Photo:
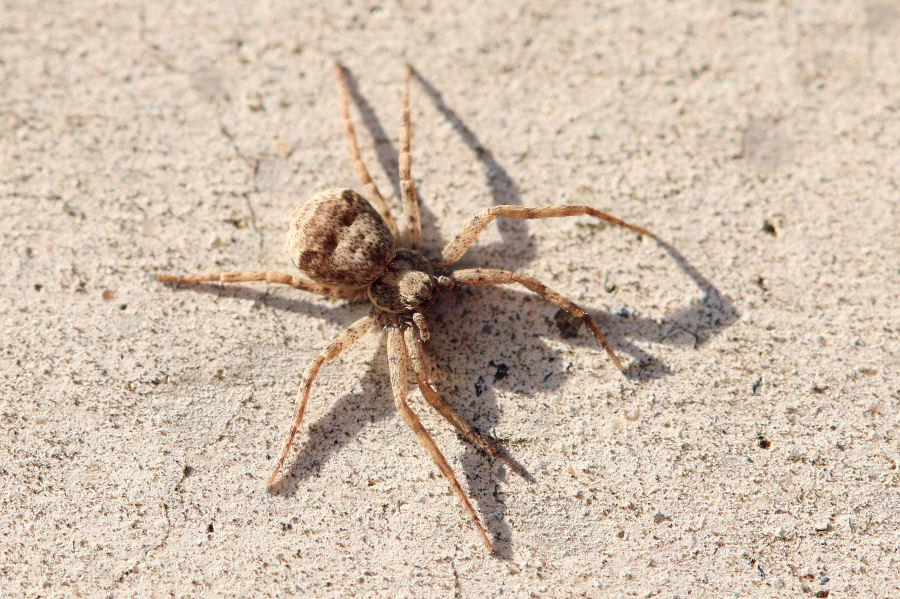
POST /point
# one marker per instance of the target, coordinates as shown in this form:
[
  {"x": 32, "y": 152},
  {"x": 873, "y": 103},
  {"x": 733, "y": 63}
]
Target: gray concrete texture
[{"x": 750, "y": 449}]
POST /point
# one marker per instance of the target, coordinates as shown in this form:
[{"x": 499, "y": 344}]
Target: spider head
[
  {"x": 417, "y": 290},
  {"x": 408, "y": 284}
]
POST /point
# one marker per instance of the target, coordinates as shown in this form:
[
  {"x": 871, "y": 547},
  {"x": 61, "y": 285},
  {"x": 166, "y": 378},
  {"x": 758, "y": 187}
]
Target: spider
[{"x": 349, "y": 248}]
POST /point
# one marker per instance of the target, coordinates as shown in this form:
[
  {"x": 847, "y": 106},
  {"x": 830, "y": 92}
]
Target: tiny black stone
[
  {"x": 502, "y": 370},
  {"x": 756, "y": 385}
]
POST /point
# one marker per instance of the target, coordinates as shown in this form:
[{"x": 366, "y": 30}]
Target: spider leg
[
  {"x": 397, "y": 364},
  {"x": 495, "y": 276},
  {"x": 419, "y": 320},
  {"x": 361, "y": 171},
  {"x": 270, "y": 276},
  {"x": 415, "y": 347},
  {"x": 350, "y": 336},
  {"x": 410, "y": 201},
  {"x": 466, "y": 237}
]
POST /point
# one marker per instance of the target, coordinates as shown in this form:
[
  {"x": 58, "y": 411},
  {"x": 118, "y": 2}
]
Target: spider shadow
[
  {"x": 264, "y": 297},
  {"x": 492, "y": 366},
  {"x": 522, "y": 323},
  {"x": 347, "y": 417},
  {"x": 691, "y": 326},
  {"x": 343, "y": 422},
  {"x": 387, "y": 154},
  {"x": 699, "y": 321},
  {"x": 517, "y": 246}
]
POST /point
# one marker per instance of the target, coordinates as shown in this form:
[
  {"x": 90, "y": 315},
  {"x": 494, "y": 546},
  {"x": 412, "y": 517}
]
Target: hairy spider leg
[
  {"x": 466, "y": 237},
  {"x": 358, "y": 165},
  {"x": 397, "y": 365},
  {"x": 269, "y": 276},
  {"x": 416, "y": 348},
  {"x": 495, "y": 276},
  {"x": 410, "y": 201}
]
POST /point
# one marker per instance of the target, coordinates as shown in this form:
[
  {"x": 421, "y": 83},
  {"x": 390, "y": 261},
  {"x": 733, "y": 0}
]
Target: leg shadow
[
  {"x": 517, "y": 246},
  {"x": 298, "y": 306},
  {"x": 339, "y": 426}
]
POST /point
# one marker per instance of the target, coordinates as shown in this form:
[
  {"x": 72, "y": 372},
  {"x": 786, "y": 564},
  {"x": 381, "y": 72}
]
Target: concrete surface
[{"x": 751, "y": 450}]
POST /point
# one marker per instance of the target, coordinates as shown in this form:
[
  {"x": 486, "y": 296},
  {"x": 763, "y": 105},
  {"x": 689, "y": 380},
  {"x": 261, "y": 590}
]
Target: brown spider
[{"x": 349, "y": 249}]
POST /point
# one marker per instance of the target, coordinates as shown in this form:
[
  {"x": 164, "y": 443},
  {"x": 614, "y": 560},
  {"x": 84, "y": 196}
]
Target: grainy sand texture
[{"x": 750, "y": 449}]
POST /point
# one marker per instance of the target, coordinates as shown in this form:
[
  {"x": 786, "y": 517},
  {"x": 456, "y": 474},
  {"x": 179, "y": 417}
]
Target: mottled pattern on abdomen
[{"x": 337, "y": 237}]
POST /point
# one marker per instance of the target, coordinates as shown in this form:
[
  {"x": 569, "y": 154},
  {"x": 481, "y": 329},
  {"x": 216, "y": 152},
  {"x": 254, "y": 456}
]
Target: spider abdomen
[{"x": 337, "y": 237}]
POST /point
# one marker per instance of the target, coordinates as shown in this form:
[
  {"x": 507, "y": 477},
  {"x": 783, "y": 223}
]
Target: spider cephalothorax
[
  {"x": 407, "y": 285},
  {"x": 348, "y": 248}
]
